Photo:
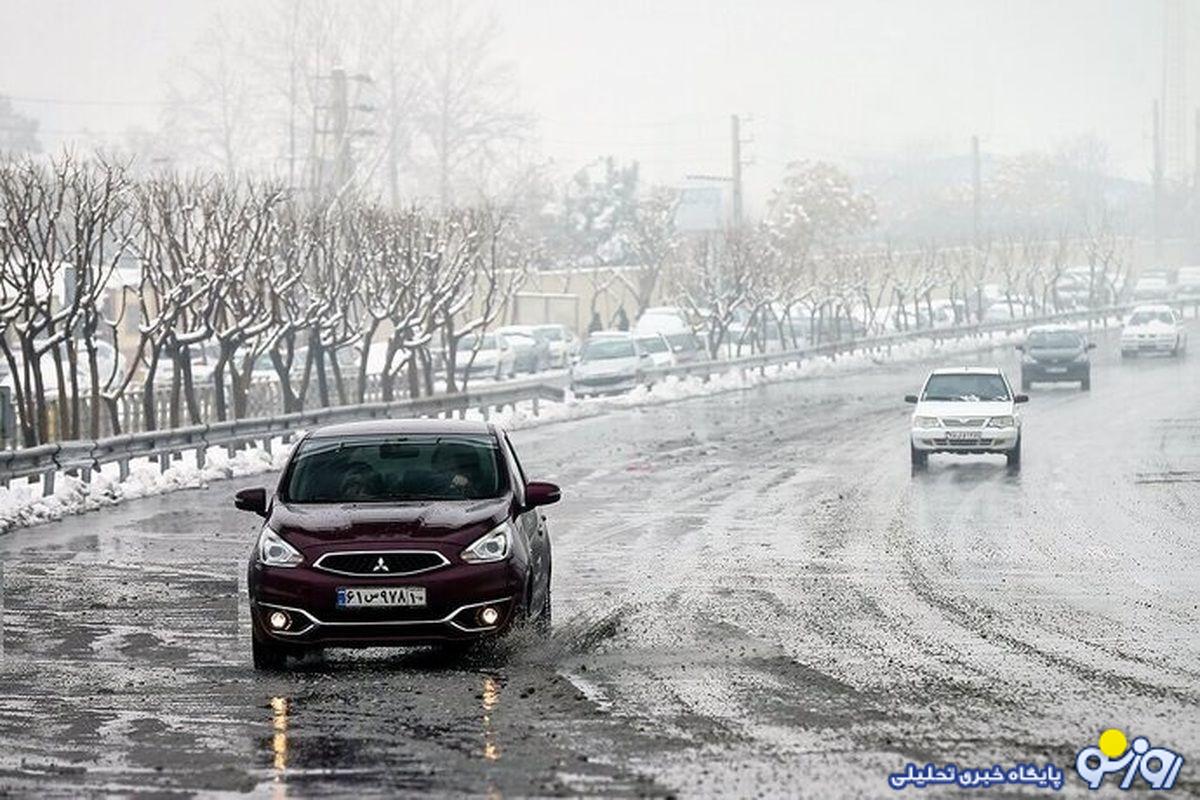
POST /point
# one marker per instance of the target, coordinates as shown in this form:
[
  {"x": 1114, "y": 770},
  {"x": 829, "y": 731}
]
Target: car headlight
[
  {"x": 273, "y": 551},
  {"x": 1001, "y": 422},
  {"x": 926, "y": 422},
  {"x": 495, "y": 545},
  {"x": 1083, "y": 356}
]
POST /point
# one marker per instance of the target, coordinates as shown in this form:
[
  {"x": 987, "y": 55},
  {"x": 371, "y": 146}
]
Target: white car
[
  {"x": 1153, "y": 329},
  {"x": 495, "y": 357},
  {"x": 966, "y": 410},
  {"x": 659, "y": 349},
  {"x": 1152, "y": 287},
  {"x": 1187, "y": 286},
  {"x": 662, "y": 319},
  {"x": 563, "y": 344},
  {"x": 611, "y": 361}
]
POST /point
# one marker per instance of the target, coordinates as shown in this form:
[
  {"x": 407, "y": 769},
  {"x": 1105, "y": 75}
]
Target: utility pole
[
  {"x": 1158, "y": 182},
  {"x": 977, "y": 189},
  {"x": 736, "y": 134}
]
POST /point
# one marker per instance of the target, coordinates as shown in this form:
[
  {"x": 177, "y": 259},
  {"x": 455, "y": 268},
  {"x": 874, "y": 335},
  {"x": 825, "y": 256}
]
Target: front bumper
[
  {"x": 454, "y": 597},
  {"x": 942, "y": 440},
  {"x": 610, "y": 385},
  {"x": 1149, "y": 344}
]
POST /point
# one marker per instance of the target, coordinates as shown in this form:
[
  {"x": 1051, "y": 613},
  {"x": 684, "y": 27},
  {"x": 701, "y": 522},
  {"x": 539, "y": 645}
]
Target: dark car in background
[
  {"x": 397, "y": 532},
  {"x": 1056, "y": 354}
]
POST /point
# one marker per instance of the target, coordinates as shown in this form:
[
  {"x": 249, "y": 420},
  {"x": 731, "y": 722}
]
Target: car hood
[
  {"x": 997, "y": 408},
  {"x": 606, "y": 366},
  {"x": 462, "y": 521}
]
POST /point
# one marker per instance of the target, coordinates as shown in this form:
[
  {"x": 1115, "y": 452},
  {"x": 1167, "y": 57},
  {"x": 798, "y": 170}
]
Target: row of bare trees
[{"x": 115, "y": 290}]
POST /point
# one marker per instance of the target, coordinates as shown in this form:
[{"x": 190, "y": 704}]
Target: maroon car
[{"x": 397, "y": 532}]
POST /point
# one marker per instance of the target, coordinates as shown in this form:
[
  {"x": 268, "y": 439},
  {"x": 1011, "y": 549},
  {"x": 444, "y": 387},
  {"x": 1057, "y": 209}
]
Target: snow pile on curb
[{"x": 22, "y": 504}]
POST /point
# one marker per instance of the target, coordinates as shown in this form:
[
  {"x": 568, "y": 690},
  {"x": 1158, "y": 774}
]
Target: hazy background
[{"x": 656, "y": 82}]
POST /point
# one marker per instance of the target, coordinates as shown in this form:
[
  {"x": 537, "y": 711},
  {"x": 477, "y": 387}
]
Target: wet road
[{"x": 754, "y": 596}]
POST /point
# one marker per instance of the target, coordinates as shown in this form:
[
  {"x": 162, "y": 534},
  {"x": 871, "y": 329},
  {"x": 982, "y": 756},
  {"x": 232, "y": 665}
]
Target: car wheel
[
  {"x": 920, "y": 459},
  {"x": 1086, "y": 383},
  {"x": 1025, "y": 384},
  {"x": 267, "y": 656},
  {"x": 1127, "y": 354},
  {"x": 1014, "y": 456}
]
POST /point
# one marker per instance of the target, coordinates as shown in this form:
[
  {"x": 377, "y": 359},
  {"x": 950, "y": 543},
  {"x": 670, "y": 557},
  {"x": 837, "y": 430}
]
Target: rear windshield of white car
[
  {"x": 965, "y": 387},
  {"x": 1049, "y": 339},
  {"x": 395, "y": 469},
  {"x": 653, "y": 344},
  {"x": 1144, "y": 317},
  {"x": 552, "y": 334},
  {"x": 599, "y": 349}
]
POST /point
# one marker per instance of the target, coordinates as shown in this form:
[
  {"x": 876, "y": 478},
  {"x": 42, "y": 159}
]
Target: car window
[
  {"x": 1055, "y": 339},
  {"x": 600, "y": 349},
  {"x": 379, "y": 469},
  {"x": 653, "y": 344},
  {"x": 966, "y": 387},
  {"x": 551, "y": 334}
]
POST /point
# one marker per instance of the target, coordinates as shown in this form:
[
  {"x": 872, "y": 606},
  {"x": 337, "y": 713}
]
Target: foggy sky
[{"x": 656, "y": 81}]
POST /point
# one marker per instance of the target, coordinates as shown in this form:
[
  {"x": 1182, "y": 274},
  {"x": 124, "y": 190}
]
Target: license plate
[
  {"x": 381, "y": 597},
  {"x": 1056, "y": 370},
  {"x": 962, "y": 436}
]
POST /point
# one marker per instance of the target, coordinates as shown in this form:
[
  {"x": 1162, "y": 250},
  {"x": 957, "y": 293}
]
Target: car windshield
[
  {"x": 394, "y": 469},
  {"x": 653, "y": 344},
  {"x": 552, "y": 334},
  {"x": 1145, "y": 317},
  {"x": 966, "y": 387},
  {"x": 601, "y": 349},
  {"x": 1055, "y": 339},
  {"x": 519, "y": 339}
]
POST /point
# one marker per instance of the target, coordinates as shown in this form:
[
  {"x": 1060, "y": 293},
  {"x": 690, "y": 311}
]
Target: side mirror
[
  {"x": 1021, "y": 398},
  {"x": 910, "y": 398},
  {"x": 253, "y": 500},
  {"x": 540, "y": 493},
  {"x": 1091, "y": 346}
]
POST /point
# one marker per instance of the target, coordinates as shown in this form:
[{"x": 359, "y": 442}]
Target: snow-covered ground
[{"x": 22, "y": 504}]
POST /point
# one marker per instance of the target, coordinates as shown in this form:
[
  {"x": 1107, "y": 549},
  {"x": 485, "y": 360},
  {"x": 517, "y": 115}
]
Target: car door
[{"x": 531, "y": 526}]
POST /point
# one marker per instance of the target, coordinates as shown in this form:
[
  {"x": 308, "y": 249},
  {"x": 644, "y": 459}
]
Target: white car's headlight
[
  {"x": 495, "y": 545},
  {"x": 273, "y": 551},
  {"x": 1001, "y": 422},
  {"x": 926, "y": 422}
]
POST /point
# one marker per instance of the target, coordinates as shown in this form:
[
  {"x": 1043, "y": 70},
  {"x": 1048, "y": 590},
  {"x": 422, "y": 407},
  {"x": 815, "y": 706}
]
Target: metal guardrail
[{"x": 83, "y": 457}]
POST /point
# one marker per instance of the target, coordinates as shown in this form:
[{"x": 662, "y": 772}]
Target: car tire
[
  {"x": 268, "y": 656},
  {"x": 1025, "y": 384},
  {"x": 1127, "y": 354},
  {"x": 545, "y": 619},
  {"x": 1014, "y": 456},
  {"x": 920, "y": 459},
  {"x": 1086, "y": 384}
]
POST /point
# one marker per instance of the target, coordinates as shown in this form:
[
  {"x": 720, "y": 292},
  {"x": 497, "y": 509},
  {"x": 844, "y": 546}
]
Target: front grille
[
  {"x": 964, "y": 422},
  {"x": 381, "y": 563}
]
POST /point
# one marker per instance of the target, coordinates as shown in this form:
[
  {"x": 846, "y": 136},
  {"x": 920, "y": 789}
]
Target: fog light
[
  {"x": 278, "y": 620},
  {"x": 489, "y": 615}
]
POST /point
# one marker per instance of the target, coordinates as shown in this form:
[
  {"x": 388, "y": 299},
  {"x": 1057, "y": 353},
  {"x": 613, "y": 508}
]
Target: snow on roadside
[{"x": 22, "y": 504}]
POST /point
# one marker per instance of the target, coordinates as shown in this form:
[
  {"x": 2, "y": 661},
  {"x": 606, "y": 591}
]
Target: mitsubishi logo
[{"x": 380, "y": 566}]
